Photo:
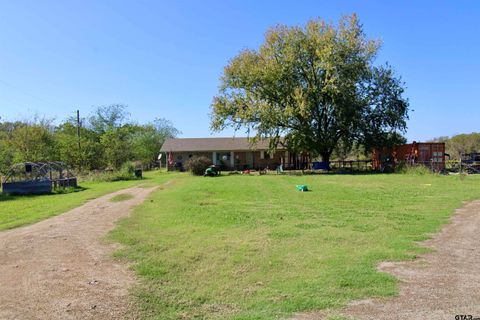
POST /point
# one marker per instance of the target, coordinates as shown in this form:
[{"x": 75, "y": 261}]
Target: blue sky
[{"x": 164, "y": 59}]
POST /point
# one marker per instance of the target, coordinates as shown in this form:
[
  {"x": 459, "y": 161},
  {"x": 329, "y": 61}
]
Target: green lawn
[
  {"x": 16, "y": 211},
  {"x": 253, "y": 247}
]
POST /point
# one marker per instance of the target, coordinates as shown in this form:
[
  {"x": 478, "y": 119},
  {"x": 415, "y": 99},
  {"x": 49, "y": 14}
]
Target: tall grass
[
  {"x": 417, "y": 170},
  {"x": 126, "y": 173}
]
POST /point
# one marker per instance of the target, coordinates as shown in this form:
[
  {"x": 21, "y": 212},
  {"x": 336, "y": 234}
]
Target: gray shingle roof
[{"x": 212, "y": 144}]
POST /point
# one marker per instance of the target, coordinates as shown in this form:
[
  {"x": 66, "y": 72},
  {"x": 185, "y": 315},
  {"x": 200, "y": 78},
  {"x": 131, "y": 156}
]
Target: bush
[{"x": 198, "y": 165}]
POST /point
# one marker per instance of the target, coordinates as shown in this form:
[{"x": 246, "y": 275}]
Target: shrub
[{"x": 198, "y": 165}]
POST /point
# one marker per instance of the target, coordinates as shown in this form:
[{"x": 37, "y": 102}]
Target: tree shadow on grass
[
  {"x": 350, "y": 172},
  {"x": 299, "y": 173},
  {"x": 6, "y": 197},
  {"x": 341, "y": 171}
]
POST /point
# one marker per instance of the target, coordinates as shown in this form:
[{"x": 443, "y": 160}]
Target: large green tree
[
  {"x": 316, "y": 86},
  {"x": 109, "y": 117},
  {"x": 33, "y": 142},
  {"x": 88, "y": 155},
  {"x": 6, "y": 149},
  {"x": 149, "y": 138}
]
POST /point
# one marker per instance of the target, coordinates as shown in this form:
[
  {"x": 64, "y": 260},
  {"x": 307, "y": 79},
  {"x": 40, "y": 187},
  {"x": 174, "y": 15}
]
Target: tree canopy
[{"x": 313, "y": 88}]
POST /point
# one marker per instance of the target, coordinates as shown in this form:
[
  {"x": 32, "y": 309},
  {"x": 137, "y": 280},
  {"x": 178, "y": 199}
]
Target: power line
[{"x": 24, "y": 92}]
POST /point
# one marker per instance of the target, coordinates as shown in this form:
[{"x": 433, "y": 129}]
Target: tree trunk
[{"x": 326, "y": 158}]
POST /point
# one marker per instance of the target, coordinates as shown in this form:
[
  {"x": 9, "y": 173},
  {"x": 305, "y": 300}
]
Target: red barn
[{"x": 430, "y": 154}]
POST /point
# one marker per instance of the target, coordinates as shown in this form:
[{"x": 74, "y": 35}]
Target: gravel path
[
  {"x": 439, "y": 285},
  {"x": 61, "y": 268}
]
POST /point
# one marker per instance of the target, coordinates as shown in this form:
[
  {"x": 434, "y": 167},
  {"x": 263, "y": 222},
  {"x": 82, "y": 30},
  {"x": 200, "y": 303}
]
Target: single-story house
[{"x": 230, "y": 153}]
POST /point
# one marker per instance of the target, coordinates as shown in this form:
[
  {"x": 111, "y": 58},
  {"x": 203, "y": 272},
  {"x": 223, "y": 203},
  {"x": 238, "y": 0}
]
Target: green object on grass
[
  {"x": 211, "y": 171},
  {"x": 302, "y": 187}
]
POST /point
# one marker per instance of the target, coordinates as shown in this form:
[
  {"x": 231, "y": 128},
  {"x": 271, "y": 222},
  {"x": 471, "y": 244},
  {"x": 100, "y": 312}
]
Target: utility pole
[{"x": 78, "y": 134}]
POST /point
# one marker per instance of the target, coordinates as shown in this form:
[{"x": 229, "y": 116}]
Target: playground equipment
[{"x": 38, "y": 178}]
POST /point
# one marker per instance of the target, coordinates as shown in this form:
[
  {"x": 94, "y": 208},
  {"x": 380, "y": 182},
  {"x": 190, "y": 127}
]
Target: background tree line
[
  {"x": 460, "y": 144},
  {"x": 108, "y": 139}
]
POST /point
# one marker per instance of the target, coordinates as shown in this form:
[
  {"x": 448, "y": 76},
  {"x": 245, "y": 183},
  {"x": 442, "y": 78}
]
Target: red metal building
[{"x": 430, "y": 154}]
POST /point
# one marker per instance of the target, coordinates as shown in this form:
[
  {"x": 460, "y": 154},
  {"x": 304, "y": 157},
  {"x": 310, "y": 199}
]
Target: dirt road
[
  {"x": 61, "y": 268},
  {"x": 439, "y": 285}
]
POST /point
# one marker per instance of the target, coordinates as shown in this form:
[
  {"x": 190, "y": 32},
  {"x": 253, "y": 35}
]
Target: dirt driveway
[
  {"x": 438, "y": 285},
  {"x": 61, "y": 268}
]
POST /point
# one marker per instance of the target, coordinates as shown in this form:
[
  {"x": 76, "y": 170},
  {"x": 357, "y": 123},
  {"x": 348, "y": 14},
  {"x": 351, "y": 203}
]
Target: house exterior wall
[
  {"x": 241, "y": 159},
  {"x": 254, "y": 160},
  {"x": 179, "y": 158},
  {"x": 269, "y": 161}
]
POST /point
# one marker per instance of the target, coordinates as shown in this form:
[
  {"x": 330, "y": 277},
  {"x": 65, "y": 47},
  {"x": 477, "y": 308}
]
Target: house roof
[{"x": 212, "y": 144}]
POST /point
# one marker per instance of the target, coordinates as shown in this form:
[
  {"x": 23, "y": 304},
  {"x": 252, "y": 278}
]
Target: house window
[
  {"x": 264, "y": 155},
  {"x": 223, "y": 156}
]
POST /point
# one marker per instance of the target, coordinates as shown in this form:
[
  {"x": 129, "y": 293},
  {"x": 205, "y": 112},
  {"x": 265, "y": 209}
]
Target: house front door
[{"x": 249, "y": 158}]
